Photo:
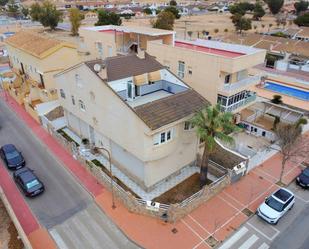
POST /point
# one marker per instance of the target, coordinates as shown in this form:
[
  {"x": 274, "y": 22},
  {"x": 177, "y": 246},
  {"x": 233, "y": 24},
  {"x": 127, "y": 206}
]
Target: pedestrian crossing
[
  {"x": 89, "y": 229},
  {"x": 245, "y": 238}
]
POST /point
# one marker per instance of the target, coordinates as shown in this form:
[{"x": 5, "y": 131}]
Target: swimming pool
[{"x": 294, "y": 92}]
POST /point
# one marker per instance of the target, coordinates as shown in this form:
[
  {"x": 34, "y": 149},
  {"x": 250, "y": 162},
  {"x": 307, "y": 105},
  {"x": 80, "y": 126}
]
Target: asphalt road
[
  {"x": 64, "y": 199},
  {"x": 290, "y": 233}
]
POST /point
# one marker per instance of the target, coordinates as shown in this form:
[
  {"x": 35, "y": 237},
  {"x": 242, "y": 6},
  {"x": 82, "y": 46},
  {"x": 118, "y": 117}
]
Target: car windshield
[
  {"x": 32, "y": 184},
  {"x": 274, "y": 204},
  {"x": 306, "y": 172},
  {"x": 12, "y": 155}
]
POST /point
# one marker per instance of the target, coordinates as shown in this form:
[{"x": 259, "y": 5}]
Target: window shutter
[{"x": 156, "y": 139}]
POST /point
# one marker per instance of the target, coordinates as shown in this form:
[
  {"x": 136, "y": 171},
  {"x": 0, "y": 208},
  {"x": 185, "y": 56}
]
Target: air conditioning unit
[{"x": 152, "y": 205}]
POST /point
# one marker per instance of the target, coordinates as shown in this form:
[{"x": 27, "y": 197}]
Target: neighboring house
[
  {"x": 35, "y": 59},
  {"x": 218, "y": 71},
  {"x": 110, "y": 40},
  {"x": 137, "y": 109}
]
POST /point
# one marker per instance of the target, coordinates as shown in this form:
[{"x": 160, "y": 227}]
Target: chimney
[{"x": 140, "y": 53}]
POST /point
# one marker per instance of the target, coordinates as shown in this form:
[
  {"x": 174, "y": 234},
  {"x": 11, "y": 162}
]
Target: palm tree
[{"x": 210, "y": 124}]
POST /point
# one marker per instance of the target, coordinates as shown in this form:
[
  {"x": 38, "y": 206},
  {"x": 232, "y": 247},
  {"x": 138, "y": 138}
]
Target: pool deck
[{"x": 302, "y": 104}]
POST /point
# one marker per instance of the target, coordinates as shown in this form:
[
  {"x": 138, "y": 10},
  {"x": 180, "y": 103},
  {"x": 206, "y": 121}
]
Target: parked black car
[
  {"x": 12, "y": 157},
  {"x": 303, "y": 179},
  {"x": 28, "y": 182}
]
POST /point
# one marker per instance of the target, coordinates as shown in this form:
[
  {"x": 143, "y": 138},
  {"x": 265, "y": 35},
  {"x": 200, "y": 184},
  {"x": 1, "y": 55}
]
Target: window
[
  {"x": 100, "y": 49},
  {"x": 78, "y": 80},
  {"x": 82, "y": 105},
  {"x": 188, "y": 126},
  {"x": 181, "y": 69},
  {"x": 163, "y": 137},
  {"x": 73, "y": 100},
  {"x": 62, "y": 94},
  {"x": 227, "y": 79},
  {"x": 110, "y": 51}
]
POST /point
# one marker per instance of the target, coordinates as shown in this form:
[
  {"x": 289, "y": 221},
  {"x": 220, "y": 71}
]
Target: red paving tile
[
  {"x": 17, "y": 202},
  {"x": 256, "y": 202},
  {"x": 148, "y": 232},
  {"x": 230, "y": 227},
  {"x": 40, "y": 239}
]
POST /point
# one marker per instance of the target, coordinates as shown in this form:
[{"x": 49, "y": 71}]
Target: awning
[
  {"x": 154, "y": 76},
  {"x": 140, "y": 80}
]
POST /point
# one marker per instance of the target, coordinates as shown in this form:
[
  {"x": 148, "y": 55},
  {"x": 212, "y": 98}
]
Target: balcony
[
  {"x": 232, "y": 88},
  {"x": 242, "y": 103}
]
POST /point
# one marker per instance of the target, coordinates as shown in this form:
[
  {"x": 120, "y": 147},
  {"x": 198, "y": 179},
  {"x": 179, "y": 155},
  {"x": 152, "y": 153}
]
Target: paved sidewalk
[{"x": 218, "y": 217}]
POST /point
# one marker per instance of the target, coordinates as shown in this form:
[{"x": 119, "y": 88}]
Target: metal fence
[{"x": 166, "y": 212}]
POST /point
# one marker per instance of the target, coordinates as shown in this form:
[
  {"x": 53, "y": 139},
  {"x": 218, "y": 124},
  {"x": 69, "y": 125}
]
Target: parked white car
[{"x": 276, "y": 205}]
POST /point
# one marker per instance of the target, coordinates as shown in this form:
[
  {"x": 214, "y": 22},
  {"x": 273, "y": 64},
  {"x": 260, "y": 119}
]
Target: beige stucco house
[
  {"x": 137, "y": 109},
  {"x": 35, "y": 59},
  {"x": 216, "y": 70}
]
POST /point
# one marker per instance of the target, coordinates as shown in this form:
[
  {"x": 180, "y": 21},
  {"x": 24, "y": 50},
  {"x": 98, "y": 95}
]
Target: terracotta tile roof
[
  {"x": 170, "y": 109},
  {"x": 32, "y": 43},
  {"x": 123, "y": 66}
]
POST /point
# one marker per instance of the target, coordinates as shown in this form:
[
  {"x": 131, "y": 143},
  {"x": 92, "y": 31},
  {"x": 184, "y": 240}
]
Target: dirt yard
[
  {"x": 181, "y": 191},
  {"x": 8, "y": 234}
]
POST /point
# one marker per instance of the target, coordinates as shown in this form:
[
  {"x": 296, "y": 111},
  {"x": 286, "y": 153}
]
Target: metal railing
[
  {"x": 239, "y": 104},
  {"x": 248, "y": 81}
]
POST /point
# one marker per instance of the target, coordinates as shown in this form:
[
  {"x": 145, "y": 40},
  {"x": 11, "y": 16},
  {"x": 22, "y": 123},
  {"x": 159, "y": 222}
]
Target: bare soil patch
[{"x": 181, "y": 191}]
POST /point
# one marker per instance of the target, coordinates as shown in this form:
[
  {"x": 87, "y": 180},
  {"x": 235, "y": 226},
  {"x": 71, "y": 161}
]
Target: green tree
[
  {"x": 216, "y": 31},
  {"x": 76, "y": 18},
  {"x": 258, "y": 12},
  {"x": 35, "y": 12},
  {"x": 301, "y": 6},
  {"x": 108, "y": 18},
  {"x": 174, "y": 11},
  {"x": 241, "y": 23},
  {"x": 47, "y": 14},
  {"x": 25, "y": 11},
  {"x": 211, "y": 124},
  {"x": 3, "y": 2},
  {"x": 13, "y": 9},
  {"x": 165, "y": 20},
  {"x": 302, "y": 20},
  {"x": 173, "y": 3},
  {"x": 190, "y": 33},
  {"x": 241, "y": 8},
  {"x": 147, "y": 11},
  {"x": 275, "y": 6},
  {"x": 277, "y": 99}
]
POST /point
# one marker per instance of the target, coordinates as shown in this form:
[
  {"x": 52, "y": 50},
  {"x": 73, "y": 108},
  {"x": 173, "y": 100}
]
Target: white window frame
[
  {"x": 163, "y": 137},
  {"x": 181, "y": 69},
  {"x": 81, "y": 105},
  {"x": 188, "y": 126}
]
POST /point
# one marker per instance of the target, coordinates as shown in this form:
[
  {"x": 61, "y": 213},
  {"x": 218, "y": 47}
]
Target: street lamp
[{"x": 111, "y": 176}]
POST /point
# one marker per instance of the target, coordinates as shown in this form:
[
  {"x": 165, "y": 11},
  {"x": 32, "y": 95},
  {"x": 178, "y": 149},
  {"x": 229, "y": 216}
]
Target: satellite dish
[{"x": 97, "y": 67}]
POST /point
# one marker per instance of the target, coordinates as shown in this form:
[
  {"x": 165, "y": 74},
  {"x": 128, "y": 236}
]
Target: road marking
[
  {"x": 224, "y": 192},
  {"x": 268, "y": 175},
  {"x": 193, "y": 231},
  {"x": 228, "y": 203},
  {"x": 249, "y": 242},
  {"x": 231, "y": 241},
  {"x": 198, "y": 224},
  {"x": 259, "y": 196},
  {"x": 264, "y": 246},
  {"x": 259, "y": 231},
  {"x": 298, "y": 197},
  {"x": 59, "y": 241}
]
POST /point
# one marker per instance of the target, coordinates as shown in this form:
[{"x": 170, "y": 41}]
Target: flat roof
[
  {"x": 130, "y": 29},
  {"x": 217, "y": 48}
]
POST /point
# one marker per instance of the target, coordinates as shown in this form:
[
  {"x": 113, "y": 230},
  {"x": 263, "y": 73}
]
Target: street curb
[
  {"x": 66, "y": 168},
  {"x": 13, "y": 217}
]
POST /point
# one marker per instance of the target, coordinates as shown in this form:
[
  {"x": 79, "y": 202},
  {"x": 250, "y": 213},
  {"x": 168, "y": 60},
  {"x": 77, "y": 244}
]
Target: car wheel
[
  {"x": 276, "y": 222},
  {"x": 291, "y": 207}
]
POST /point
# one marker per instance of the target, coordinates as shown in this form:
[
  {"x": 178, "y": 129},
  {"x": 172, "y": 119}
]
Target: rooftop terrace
[{"x": 217, "y": 48}]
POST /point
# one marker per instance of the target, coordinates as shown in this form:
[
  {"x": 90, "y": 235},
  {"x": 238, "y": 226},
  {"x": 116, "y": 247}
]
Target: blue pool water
[{"x": 300, "y": 94}]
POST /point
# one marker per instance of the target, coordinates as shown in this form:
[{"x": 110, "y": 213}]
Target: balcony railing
[
  {"x": 248, "y": 81},
  {"x": 236, "y": 105}
]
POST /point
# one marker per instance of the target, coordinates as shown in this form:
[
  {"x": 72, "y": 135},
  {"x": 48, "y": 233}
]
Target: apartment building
[
  {"x": 216, "y": 70},
  {"x": 35, "y": 59},
  {"x": 137, "y": 109}
]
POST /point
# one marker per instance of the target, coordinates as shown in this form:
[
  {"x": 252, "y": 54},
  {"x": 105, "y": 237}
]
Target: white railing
[
  {"x": 248, "y": 81},
  {"x": 239, "y": 104}
]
